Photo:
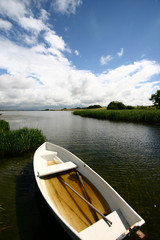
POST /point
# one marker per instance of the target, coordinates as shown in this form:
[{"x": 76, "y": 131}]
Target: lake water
[{"x": 126, "y": 155}]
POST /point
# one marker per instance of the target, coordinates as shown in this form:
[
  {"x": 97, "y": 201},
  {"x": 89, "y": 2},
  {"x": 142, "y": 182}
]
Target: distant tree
[
  {"x": 115, "y": 105},
  {"x": 94, "y": 106},
  {"x": 129, "y": 107},
  {"x": 155, "y": 98}
]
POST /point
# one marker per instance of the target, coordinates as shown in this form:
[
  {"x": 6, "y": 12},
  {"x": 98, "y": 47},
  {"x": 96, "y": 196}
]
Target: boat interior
[
  {"x": 70, "y": 206},
  {"x": 57, "y": 175}
]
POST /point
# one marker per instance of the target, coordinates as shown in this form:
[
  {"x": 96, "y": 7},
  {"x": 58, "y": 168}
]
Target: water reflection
[{"x": 34, "y": 218}]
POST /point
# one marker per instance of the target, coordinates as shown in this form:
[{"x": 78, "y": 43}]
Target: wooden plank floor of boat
[{"x": 72, "y": 208}]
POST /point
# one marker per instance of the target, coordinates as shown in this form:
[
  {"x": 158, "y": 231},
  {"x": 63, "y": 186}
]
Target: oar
[
  {"x": 81, "y": 180},
  {"x": 86, "y": 194},
  {"x": 104, "y": 217}
]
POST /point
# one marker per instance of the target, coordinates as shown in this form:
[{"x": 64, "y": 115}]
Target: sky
[{"x": 75, "y": 53}]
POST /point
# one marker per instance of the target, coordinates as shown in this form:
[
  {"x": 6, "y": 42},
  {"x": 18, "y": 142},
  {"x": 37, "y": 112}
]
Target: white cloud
[
  {"x": 30, "y": 40},
  {"x": 132, "y": 83},
  {"x": 17, "y": 81},
  {"x": 66, "y": 6},
  {"x": 76, "y": 52},
  {"x": 21, "y": 13},
  {"x": 5, "y": 25},
  {"x": 44, "y": 15},
  {"x": 40, "y": 78},
  {"x": 54, "y": 40},
  {"x": 31, "y": 24},
  {"x": 42, "y": 75},
  {"x": 106, "y": 59},
  {"x": 14, "y": 9},
  {"x": 120, "y": 54}
]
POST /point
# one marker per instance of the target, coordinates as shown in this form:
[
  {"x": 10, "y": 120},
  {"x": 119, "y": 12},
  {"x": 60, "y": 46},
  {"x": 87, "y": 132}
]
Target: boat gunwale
[{"x": 82, "y": 168}]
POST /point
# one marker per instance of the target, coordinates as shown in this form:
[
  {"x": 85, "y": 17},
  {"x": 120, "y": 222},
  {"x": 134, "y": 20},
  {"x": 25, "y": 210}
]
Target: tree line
[{"x": 115, "y": 105}]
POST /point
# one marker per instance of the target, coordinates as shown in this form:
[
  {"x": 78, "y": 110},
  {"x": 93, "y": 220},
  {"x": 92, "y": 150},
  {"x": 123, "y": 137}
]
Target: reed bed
[
  {"x": 4, "y": 126},
  {"x": 17, "y": 142},
  {"x": 143, "y": 116}
]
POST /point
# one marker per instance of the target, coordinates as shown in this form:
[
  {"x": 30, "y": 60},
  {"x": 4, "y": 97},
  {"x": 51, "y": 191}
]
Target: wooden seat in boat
[{"x": 57, "y": 168}]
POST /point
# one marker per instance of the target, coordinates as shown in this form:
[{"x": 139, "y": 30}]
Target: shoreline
[{"x": 134, "y": 116}]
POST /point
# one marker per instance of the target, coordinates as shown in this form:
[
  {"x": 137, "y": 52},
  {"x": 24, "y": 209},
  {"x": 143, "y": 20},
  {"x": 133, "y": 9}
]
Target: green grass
[
  {"x": 4, "y": 126},
  {"x": 144, "y": 116},
  {"x": 17, "y": 142}
]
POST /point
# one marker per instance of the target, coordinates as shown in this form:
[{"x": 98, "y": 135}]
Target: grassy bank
[
  {"x": 17, "y": 142},
  {"x": 144, "y": 116},
  {"x": 4, "y": 126}
]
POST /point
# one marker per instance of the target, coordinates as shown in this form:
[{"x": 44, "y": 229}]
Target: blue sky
[{"x": 62, "y": 53}]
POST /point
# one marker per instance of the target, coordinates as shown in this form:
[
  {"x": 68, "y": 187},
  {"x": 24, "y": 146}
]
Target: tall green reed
[
  {"x": 17, "y": 142},
  {"x": 145, "y": 116}
]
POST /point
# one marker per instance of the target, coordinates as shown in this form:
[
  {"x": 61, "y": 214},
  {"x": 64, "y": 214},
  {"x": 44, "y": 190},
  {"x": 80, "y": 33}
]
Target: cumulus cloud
[
  {"x": 17, "y": 81},
  {"x": 66, "y": 6},
  {"x": 54, "y": 40},
  {"x": 41, "y": 75},
  {"x": 106, "y": 59},
  {"x": 132, "y": 83},
  {"x": 41, "y": 78}
]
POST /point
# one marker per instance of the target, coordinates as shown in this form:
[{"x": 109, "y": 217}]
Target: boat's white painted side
[
  {"x": 39, "y": 163},
  {"x": 114, "y": 200}
]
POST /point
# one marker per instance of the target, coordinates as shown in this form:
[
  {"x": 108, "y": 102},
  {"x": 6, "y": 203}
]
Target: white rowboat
[{"x": 85, "y": 204}]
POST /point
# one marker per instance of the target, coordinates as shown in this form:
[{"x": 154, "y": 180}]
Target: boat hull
[{"x": 113, "y": 199}]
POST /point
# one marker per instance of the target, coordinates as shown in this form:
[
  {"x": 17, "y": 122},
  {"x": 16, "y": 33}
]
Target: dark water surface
[{"x": 126, "y": 155}]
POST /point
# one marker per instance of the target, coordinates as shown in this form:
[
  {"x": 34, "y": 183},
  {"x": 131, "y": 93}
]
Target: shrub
[
  {"x": 129, "y": 107},
  {"x": 94, "y": 106},
  {"x": 116, "y": 106}
]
